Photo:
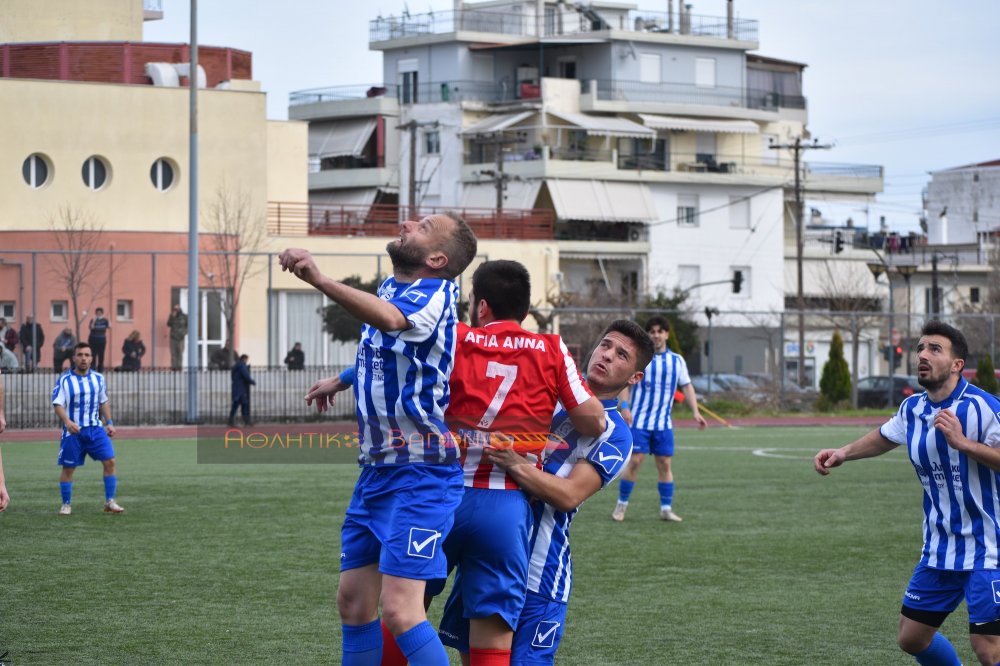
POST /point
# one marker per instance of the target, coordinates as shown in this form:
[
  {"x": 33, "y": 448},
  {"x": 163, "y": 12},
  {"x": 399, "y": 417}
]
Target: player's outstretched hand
[
  {"x": 4, "y": 498},
  {"x": 702, "y": 423},
  {"x": 504, "y": 457},
  {"x": 323, "y": 392},
  {"x": 300, "y": 262},
  {"x": 826, "y": 459}
]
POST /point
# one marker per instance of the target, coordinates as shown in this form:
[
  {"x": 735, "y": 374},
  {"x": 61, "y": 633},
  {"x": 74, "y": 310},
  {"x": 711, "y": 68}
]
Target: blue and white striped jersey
[
  {"x": 653, "y": 397},
  {"x": 961, "y": 496},
  {"x": 402, "y": 377},
  {"x": 550, "y": 565},
  {"x": 81, "y": 396}
]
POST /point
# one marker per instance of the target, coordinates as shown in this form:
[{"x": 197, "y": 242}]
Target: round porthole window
[
  {"x": 162, "y": 174},
  {"x": 95, "y": 173},
  {"x": 36, "y": 170}
]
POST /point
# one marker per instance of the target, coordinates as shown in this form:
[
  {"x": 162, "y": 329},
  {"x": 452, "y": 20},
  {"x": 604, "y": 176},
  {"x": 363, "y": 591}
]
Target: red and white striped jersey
[{"x": 508, "y": 380}]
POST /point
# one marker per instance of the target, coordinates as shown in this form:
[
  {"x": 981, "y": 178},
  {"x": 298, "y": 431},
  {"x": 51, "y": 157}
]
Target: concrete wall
[{"x": 70, "y": 20}]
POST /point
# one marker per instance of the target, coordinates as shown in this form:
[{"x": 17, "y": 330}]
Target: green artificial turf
[{"x": 233, "y": 564}]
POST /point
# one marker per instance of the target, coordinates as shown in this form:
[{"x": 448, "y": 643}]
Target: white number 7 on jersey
[{"x": 509, "y": 374}]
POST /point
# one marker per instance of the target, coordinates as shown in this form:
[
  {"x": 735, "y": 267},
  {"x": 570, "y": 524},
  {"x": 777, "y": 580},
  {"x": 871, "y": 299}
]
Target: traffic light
[
  {"x": 838, "y": 242},
  {"x": 737, "y": 281},
  {"x": 893, "y": 353}
]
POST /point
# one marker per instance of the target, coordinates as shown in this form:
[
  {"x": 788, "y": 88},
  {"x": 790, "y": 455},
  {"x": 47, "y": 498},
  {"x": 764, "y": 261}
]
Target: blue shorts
[
  {"x": 399, "y": 516},
  {"x": 489, "y": 545},
  {"x": 942, "y": 591},
  {"x": 657, "y": 442},
  {"x": 91, "y": 441},
  {"x": 539, "y": 631}
]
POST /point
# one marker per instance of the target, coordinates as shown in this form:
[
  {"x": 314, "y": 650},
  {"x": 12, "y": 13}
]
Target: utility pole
[
  {"x": 498, "y": 141},
  {"x": 797, "y": 149},
  {"x": 411, "y": 197}
]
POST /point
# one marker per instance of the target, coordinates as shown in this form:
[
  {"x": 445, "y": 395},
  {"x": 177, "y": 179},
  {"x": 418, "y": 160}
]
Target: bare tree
[
  {"x": 237, "y": 232},
  {"x": 849, "y": 310},
  {"x": 82, "y": 266}
]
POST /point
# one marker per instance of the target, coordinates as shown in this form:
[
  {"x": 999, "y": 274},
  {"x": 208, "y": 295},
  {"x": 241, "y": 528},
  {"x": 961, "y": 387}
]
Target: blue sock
[
  {"x": 66, "y": 490},
  {"x": 110, "y": 486},
  {"x": 666, "y": 493},
  {"x": 422, "y": 646},
  {"x": 939, "y": 653},
  {"x": 362, "y": 644},
  {"x": 625, "y": 490}
]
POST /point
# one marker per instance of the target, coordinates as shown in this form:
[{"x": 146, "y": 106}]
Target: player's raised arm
[{"x": 369, "y": 308}]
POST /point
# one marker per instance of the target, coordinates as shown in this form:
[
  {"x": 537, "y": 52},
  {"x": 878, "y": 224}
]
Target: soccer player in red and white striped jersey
[{"x": 505, "y": 380}]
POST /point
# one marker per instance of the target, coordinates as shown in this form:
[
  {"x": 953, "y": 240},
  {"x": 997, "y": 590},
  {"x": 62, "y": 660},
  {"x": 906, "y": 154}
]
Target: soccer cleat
[
  {"x": 618, "y": 515},
  {"x": 65, "y": 509},
  {"x": 669, "y": 515},
  {"x": 111, "y": 506}
]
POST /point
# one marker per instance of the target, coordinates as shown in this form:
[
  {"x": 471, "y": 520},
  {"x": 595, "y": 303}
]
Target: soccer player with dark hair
[
  {"x": 410, "y": 484},
  {"x": 506, "y": 380},
  {"x": 80, "y": 400},
  {"x": 577, "y": 467},
  {"x": 649, "y": 414},
  {"x": 952, "y": 435}
]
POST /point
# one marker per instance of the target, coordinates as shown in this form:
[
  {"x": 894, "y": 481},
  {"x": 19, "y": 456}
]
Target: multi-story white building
[{"x": 653, "y": 139}]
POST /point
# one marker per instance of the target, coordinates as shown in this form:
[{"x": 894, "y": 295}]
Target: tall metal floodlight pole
[{"x": 192, "y": 407}]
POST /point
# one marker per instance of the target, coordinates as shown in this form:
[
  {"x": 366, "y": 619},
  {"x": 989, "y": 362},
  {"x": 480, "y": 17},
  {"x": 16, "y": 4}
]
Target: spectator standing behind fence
[
  {"x": 242, "y": 381},
  {"x": 98, "y": 338},
  {"x": 295, "y": 359},
  {"x": 62, "y": 349},
  {"x": 222, "y": 358},
  {"x": 177, "y": 322},
  {"x": 32, "y": 338},
  {"x": 133, "y": 350},
  {"x": 8, "y": 336},
  {"x": 8, "y": 359}
]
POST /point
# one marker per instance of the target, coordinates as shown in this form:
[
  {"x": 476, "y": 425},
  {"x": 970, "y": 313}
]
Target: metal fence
[
  {"x": 763, "y": 345},
  {"x": 159, "y": 397}
]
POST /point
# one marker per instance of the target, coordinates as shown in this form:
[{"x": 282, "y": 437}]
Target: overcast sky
[{"x": 912, "y": 86}]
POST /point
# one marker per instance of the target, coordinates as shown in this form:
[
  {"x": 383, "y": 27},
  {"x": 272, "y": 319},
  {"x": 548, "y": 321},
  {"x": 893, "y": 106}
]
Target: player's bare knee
[
  {"x": 109, "y": 467},
  {"x": 353, "y": 607}
]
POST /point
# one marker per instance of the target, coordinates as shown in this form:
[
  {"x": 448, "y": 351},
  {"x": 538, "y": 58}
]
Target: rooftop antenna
[{"x": 406, "y": 11}]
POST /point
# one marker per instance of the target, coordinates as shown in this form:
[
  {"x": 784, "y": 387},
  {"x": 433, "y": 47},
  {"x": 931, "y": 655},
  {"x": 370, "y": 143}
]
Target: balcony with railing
[
  {"x": 615, "y": 90},
  {"x": 594, "y": 92},
  {"x": 573, "y": 21},
  {"x": 305, "y": 219},
  {"x": 529, "y": 161}
]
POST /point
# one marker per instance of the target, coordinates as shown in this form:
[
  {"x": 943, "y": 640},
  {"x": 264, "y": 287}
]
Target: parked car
[
  {"x": 873, "y": 391},
  {"x": 736, "y": 387}
]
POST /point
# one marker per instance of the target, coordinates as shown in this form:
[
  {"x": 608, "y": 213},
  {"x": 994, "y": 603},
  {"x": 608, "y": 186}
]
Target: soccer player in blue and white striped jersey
[
  {"x": 952, "y": 436},
  {"x": 411, "y": 483},
  {"x": 576, "y": 468},
  {"x": 80, "y": 400},
  {"x": 648, "y": 413}
]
